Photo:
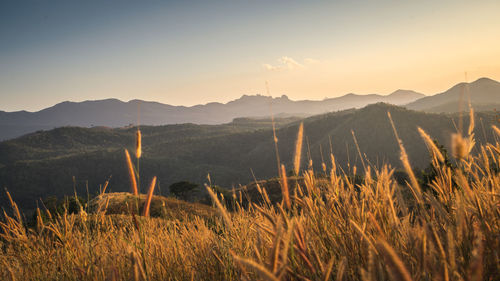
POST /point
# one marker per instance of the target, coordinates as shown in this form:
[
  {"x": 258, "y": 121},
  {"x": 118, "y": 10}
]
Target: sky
[{"x": 195, "y": 52}]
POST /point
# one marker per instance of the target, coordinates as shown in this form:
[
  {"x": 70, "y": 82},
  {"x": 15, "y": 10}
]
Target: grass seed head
[
  {"x": 459, "y": 146},
  {"x": 497, "y": 131},
  {"x": 138, "y": 144},
  {"x": 431, "y": 145},
  {"x": 149, "y": 197},
  {"x": 131, "y": 173},
  {"x": 298, "y": 149},
  {"x": 284, "y": 187}
]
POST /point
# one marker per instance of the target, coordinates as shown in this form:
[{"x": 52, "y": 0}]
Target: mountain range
[
  {"x": 116, "y": 113},
  {"x": 484, "y": 94}
]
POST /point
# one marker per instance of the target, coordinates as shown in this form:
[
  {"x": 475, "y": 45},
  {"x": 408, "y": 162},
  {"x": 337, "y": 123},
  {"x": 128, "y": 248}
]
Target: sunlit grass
[{"x": 324, "y": 228}]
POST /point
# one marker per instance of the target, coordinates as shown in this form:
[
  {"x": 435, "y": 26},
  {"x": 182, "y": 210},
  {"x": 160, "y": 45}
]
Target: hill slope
[{"x": 483, "y": 94}]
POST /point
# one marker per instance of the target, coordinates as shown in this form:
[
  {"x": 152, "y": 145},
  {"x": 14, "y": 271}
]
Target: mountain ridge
[
  {"x": 242, "y": 98},
  {"x": 479, "y": 92},
  {"x": 484, "y": 95},
  {"x": 113, "y": 112}
]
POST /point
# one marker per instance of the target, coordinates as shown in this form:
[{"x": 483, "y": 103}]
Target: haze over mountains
[
  {"x": 484, "y": 95},
  {"x": 116, "y": 113}
]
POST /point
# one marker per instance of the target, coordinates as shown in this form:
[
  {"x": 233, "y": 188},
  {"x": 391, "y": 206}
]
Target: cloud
[
  {"x": 311, "y": 61},
  {"x": 270, "y": 67},
  {"x": 288, "y": 63}
]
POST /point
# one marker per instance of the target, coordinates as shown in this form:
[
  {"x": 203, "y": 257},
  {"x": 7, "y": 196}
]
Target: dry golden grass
[
  {"x": 284, "y": 187},
  {"x": 138, "y": 144},
  {"x": 298, "y": 149},
  {"x": 147, "y": 204},
  {"x": 331, "y": 229},
  {"x": 131, "y": 173},
  {"x": 436, "y": 153}
]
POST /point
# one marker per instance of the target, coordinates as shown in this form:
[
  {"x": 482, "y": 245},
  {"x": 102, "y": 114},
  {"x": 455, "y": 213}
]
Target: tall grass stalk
[
  {"x": 138, "y": 154},
  {"x": 284, "y": 187},
  {"x": 298, "y": 149},
  {"x": 131, "y": 173},
  {"x": 414, "y": 185},
  {"x": 147, "y": 204}
]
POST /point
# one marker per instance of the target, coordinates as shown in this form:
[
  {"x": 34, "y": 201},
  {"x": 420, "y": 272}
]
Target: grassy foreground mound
[
  {"x": 347, "y": 228},
  {"x": 166, "y": 208}
]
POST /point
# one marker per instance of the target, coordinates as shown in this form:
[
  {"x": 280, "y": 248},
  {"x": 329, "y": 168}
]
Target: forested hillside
[{"x": 44, "y": 163}]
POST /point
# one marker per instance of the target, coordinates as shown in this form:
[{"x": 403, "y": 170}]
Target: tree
[{"x": 183, "y": 189}]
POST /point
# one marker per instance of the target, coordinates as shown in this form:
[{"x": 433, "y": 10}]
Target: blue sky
[{"x": 191, "y": 52}]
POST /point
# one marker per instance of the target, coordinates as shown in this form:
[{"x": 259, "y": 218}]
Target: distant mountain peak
[
  {"x": 484, "y": 80},
  {"x": 402, "y": 92},
  {"x": 380, "y": 106},
  {"x": 249, "y": 98},
  {"x": 258, "y": 98},
  {"x": 483, "y": 93}
]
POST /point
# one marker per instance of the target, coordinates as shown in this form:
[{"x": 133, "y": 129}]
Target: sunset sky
[{"x": 192, "y": 52}]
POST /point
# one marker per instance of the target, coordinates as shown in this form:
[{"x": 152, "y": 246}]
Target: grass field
[{"x": 326, "y": 226}]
